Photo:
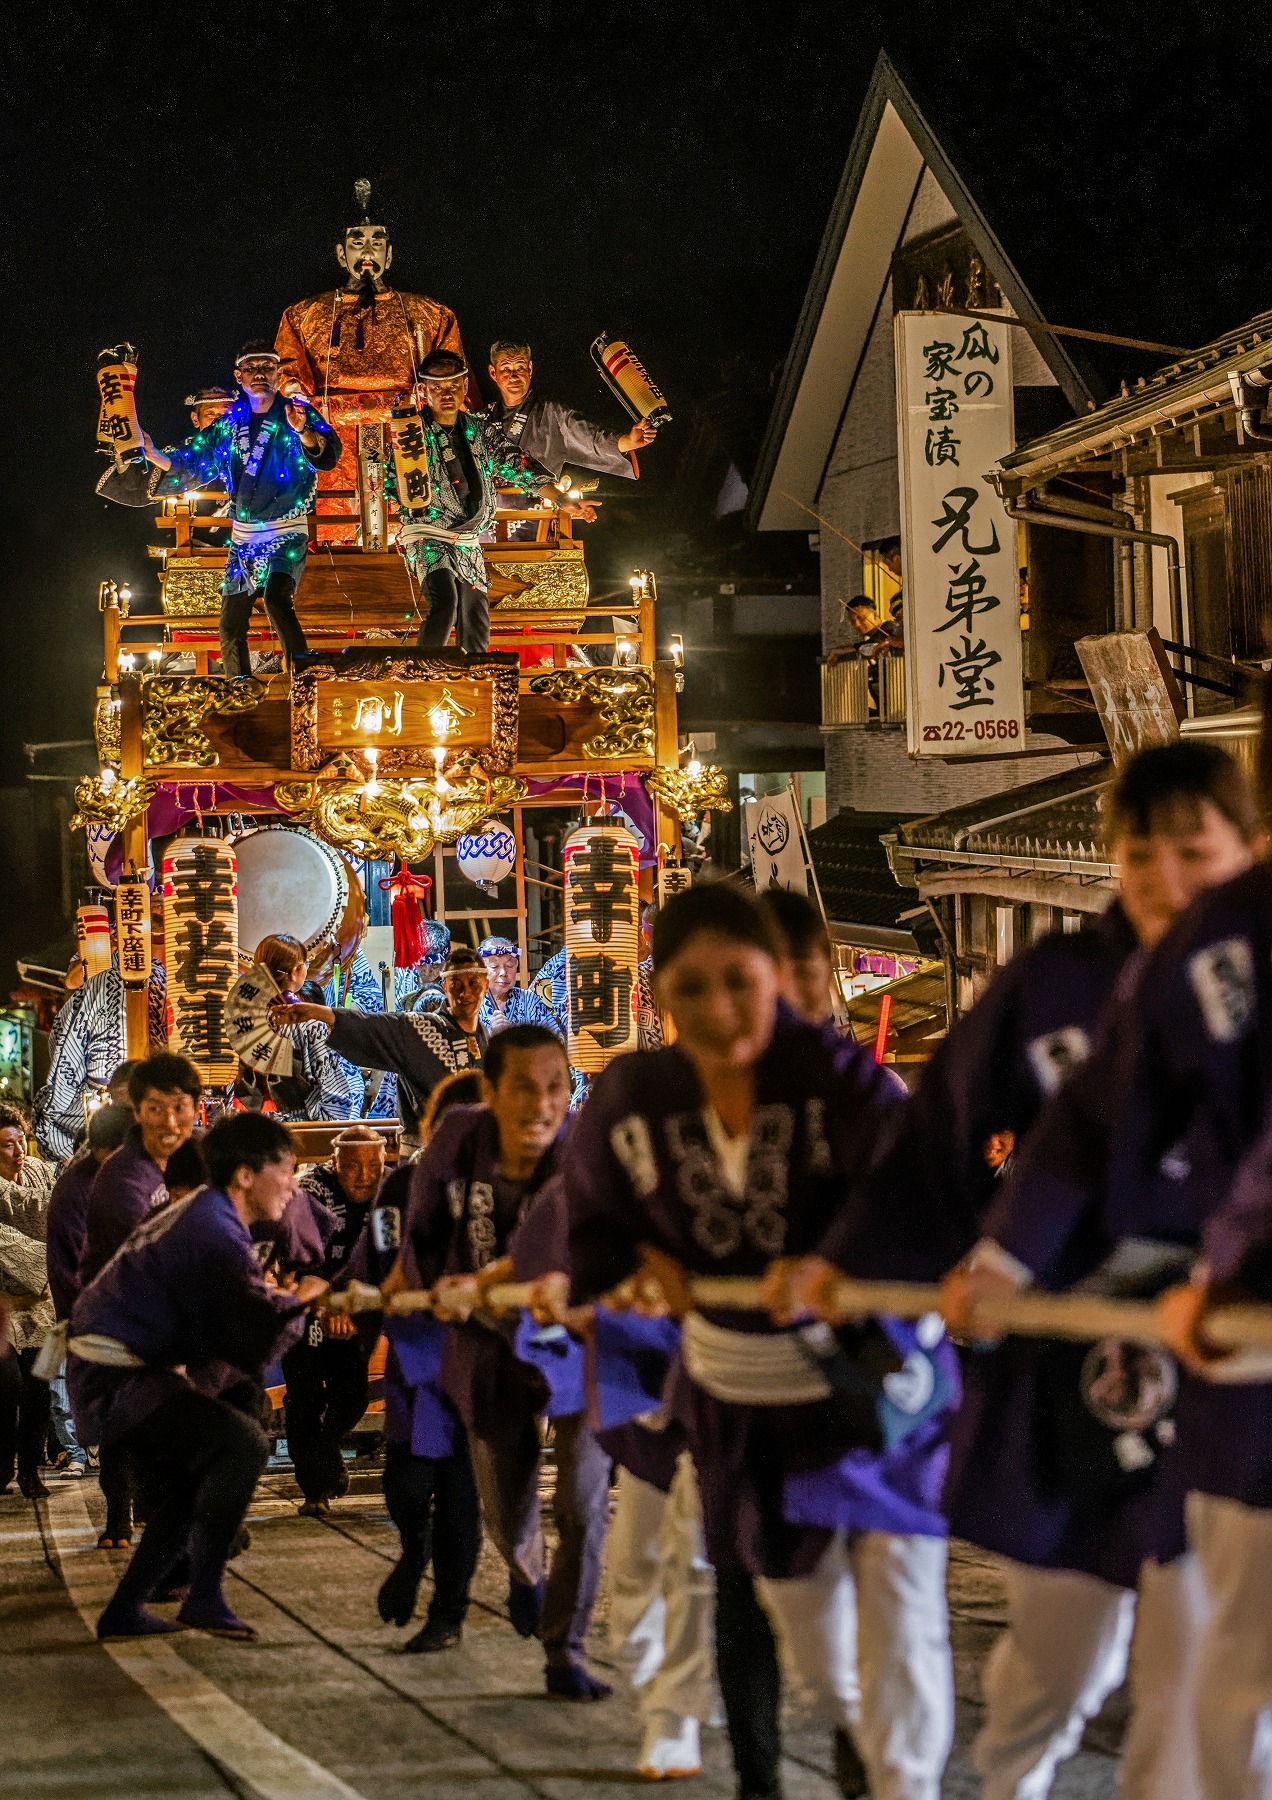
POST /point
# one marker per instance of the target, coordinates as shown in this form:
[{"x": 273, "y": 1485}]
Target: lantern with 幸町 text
[
  {"x": 132, "y": 931},
  {"x": 487, "y": 854},
  {"x": 200, "y": 923},
  {"x": 410, "y": 462},
  {"x": 602, "y": 942},
  {"x": 118, "y": 429}
]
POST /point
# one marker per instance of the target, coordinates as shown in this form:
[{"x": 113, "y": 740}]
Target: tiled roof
[
  {"x": 1190, "y": 391},
  {"x": 857, "y": 886},
  {"x": 1056, "y": 821}
]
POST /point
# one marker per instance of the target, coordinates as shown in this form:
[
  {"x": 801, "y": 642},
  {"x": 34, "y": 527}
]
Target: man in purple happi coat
[
  {"x": 67, "y": 1218},
  {"x": 164, "y": 1092},
  {"x": 175, "y": 1330},
  {"x": 475, "y": 1184},
  {"x": 1063, "y": 1456}
]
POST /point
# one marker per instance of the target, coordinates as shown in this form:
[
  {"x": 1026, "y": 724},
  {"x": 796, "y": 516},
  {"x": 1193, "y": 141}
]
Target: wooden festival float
[{"x": 272, "y": 803}]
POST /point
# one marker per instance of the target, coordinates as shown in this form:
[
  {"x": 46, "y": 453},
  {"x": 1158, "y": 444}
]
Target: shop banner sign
[{"x": 964, "y": 684}]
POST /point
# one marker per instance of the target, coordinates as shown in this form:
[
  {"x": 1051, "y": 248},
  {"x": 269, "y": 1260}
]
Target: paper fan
[{"x": 252, "y": 1038}]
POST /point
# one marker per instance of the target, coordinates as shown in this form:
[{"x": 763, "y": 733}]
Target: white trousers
[
  {"x": 662, "y": 1597},
  {"x": 1233, "y": 1544},
  {"x": 866, "y": 1638},
  {"x": 1068, "y": 1644}
]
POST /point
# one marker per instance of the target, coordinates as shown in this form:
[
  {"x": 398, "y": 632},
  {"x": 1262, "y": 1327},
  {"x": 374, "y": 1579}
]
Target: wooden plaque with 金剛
[{"x": 403, "y": 707}]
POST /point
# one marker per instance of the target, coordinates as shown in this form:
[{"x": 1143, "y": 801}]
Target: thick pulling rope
[{"x": 1029, "y": 1314}]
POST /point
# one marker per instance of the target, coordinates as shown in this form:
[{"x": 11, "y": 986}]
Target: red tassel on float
[{"x": 407, "y": 891}]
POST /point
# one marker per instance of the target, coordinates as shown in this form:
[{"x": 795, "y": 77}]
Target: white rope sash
[
  {"x": 96, "y": 1347},
  {"x": 252, "y": 531},
  {"x": 415, "y": 531},
  {"x": 748, "y": 1368}
]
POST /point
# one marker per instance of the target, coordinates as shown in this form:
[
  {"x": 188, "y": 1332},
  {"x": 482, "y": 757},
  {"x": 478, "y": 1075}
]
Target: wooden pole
[
  {"x": 136, "y": 848},
  {"x": 523, "y": 941},
  {"x": 666, "y": 751}
]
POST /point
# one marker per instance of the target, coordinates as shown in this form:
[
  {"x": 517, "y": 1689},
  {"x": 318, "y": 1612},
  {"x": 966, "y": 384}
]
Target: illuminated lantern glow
[
  {"x": 132, "y": 931},
  {"x": 488, "y": 854},
  {"x": 602, "y": 942},
  {"x": 410, "y": 462},
  {"x": 118, "y": 429},
  {"x": 92, "y": 939},
  {"x": 200, "y": 923}
]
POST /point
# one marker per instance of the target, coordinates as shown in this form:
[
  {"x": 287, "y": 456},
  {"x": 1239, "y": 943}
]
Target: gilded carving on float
[
  {"x": 697, "y": 788},
  {"x": 407, "y": 819},
  {"x": 624, "y": 698},
  {"x": 173, "y": 708},
  {"x": 106, "y": 800},
  {"x": 191, "y": 587},
  {"x": 106, "y": 722},
  {"x": 556, "y": 583}
]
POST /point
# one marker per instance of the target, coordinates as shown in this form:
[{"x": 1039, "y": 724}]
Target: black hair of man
[
  {"x": 12, "y": 1118},
  {"x": 716, "y": 906},
  {"x": 256, "y": 347},
  {"x": 510, "y": 347},
  {"x": 442, "y": 365},
  {"x": 798, "y": 921},
  {"x": 461, "y": 1088},
  {"x": 518, "y": 1037},
  {"x": 1163, "y": 787},
  {"x": 463, "y": 956},
  {"x": 164, "y": 1073},
  {"x": 858, "y": 603},
  {"x": 109, "y": 1126},
  {"x": 118, "y": 1083},
  {"x": 184, "y": 1168},
  {"x": 243, "y": 1140}
]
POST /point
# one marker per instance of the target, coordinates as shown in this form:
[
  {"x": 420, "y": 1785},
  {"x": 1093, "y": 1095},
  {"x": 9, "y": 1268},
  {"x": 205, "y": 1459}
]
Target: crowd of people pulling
[{"x": 786, "y": 1482}]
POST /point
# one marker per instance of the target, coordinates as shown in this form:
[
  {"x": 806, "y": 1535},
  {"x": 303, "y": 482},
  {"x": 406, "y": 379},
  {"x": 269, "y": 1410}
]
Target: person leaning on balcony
[{"x": 875, "y": 636}]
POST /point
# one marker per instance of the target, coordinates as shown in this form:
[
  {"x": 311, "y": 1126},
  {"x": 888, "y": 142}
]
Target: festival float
[{"x": 290, "y": 801}]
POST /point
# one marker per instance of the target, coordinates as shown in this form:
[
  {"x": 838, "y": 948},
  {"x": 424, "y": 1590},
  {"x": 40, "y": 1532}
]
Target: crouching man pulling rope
[{"x": 166, "y": 1349}]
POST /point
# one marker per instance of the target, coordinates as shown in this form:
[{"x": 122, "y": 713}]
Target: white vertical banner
[
  {"x": 773, "y": 834},
  {"x": 964, "y": 686}
]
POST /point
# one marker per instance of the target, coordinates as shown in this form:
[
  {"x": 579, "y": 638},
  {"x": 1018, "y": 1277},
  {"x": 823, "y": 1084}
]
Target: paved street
[{"x": 324, "y": 1707}]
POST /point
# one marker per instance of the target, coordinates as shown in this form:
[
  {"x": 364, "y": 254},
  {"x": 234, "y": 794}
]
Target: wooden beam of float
[
  {"x": 136, "y": 856},
  {"x": 570, "y": 721}
]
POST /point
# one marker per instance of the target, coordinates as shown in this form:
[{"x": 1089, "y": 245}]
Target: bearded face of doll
[{"x": 365, "y": 255}]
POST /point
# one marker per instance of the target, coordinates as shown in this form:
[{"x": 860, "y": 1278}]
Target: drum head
[{"x": 289, "y": 882}]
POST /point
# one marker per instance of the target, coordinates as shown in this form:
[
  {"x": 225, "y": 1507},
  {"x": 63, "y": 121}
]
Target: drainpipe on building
[
  {"x": 1250, "y": 396},
  {"x": 1083, "y": 522}
]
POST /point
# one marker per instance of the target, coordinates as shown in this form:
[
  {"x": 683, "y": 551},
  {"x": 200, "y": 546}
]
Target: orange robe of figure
[{"x": 352, "y": 364}]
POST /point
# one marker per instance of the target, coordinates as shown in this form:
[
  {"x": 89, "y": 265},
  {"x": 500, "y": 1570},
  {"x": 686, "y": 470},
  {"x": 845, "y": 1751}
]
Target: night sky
[{"x": 176, "y": 176}]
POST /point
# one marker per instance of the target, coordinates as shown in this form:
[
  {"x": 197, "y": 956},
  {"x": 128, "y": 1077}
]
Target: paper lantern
[
  {"x": 200, "y": 922},
  {"x": 132, "y": 931},
  {"x": 92, "y": 938},
  {"x": 118, "y": 430},
  {"x": 602, "y": 942},
  {"x": 99, "y": 839},
  {"x": 488, "y": 854}
]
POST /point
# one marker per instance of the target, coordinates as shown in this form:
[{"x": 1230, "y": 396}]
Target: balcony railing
[{"x": 855, "y": 692}]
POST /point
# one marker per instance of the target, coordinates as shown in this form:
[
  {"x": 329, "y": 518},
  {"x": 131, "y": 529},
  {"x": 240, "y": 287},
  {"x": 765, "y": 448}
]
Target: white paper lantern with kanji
[
  {"x": 602, "y": 942},
  {"x": 487, "y": 855},
  {"x": 200, "y": 934}
]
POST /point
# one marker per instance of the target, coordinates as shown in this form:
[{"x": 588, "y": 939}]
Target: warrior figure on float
[{"x": 353, "y": 348}]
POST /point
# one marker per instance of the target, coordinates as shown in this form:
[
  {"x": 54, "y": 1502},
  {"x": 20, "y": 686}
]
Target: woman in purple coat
[{"x": 716, "y": 1156}]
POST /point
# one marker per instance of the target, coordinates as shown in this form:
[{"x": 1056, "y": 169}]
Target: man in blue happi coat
[{"x": 266, "y": 451}]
